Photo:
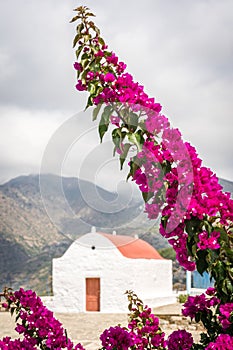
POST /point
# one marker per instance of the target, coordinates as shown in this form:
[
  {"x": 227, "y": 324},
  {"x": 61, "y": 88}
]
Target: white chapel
[{"x": 97, "y": 269}]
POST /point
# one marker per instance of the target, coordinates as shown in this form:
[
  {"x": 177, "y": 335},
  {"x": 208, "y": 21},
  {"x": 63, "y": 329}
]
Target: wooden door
[{"x": 92, "y": 294}]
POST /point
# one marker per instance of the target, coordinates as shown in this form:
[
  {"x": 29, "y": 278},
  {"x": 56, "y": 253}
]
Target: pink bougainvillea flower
[
  {"x": 226, "y": 311},
  {"x": 180, "y": 340},
  {"x": 109, "y": 78},
  {"x": 222, "y": 342},
  {"x": 207, "y": 241},
  {"x": 90, "y": 76},
  {"x": 80, "y": 86},
  {"x": 115, "y": 120},
  {"x": 210, "y": 291},
  {"x": 78, "y": 66},
  {"x": 113, "y": 59}
]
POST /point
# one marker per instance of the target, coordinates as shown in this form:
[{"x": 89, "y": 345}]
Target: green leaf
[
  {"x": 124, "y": 154},
  {"x": 140, "y": 308},
  {"x": 228, "y": 252},
  {"x": 166, "y": 166},
  {"x": 104, "y": 122},
  {"x": 12, "y": 310},
  {"x": 197, "y": 317},
  {"x": 78, "y": 51},
  {"x": 84, "y": 56},
  {"x": 192, "y": 226},
  {"x": 133, "y": 122},
  {"x": 102, "y": 130},
  {"x": 194, "y": 249},
  {"x": 76, "y": 39},
  {"x": 79, "y": 28},
  {"x": 133, "y": 167},
  {"x": 147, "y": 196},
  {"x": 201, "y": 261},
  {"x": 86, "y": 38},
  {"x": 94, "y": 65},
  {"x": 230, "y": 272},
  {"x": 92, "y": 88},
  {"x": 117, "y": 137},
  {"x": 96, "y": 111},
  {"x": 101, "y": 41},
  {"x": 227, "y": 286},
  {"x": 136, "y": 139},
  {"x": 74, "y": 19},
  {"x": 218, "y": 271},
  {"x": 223, "y": 235},
  {"x": 90, "y": 14},
  {"x": 85, "y": 64},
  {"x": 89, "y": 102}
]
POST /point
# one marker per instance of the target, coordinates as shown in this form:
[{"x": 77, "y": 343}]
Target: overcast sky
[{"x": 182, "y": 51}]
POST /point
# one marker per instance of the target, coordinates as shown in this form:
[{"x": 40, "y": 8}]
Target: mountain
[{"x": 41, "y": 216}]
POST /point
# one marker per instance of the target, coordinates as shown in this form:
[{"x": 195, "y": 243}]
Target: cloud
[
  {"x": 36, "y": 52},
  {"x": 24, "y": 136}
]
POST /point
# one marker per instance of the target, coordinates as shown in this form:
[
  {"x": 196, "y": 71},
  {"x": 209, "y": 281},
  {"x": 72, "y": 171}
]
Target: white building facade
[{"x": 98, "y": 268}]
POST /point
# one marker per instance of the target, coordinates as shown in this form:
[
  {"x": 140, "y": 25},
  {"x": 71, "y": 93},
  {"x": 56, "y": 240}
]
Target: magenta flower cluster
[
  {"x": 143, "y": 332},
  {"x": 192, "y": 190},
  {"x": 146, "y": 330},
  {"x": 222, "y": 342},
  {"x": 151, "y": 179},
  {"x": 180, "y": 340},
  {"x": 36, "y": 323},
  {"x": 200, "y": 303},
  {"x": 207, "y": 241},
  {"x": 208, "y": 197},
  {"x": 15, "y": 344},
  {"x": 226, "y": 312},
  {"x": 117, "y": 338},
  {"x": 196, "y": 215},
  {"x": 215, "y": 315}
]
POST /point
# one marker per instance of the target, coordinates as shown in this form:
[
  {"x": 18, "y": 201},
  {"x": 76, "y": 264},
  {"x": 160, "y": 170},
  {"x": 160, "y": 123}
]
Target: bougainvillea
[
  {"x": 116, "y": 338},
  {"x": 222, "y": 342},
  {"x": 180, "y": 340},
  {"x": 196, "y": 215},
  {"x": 35, "y": 323}
]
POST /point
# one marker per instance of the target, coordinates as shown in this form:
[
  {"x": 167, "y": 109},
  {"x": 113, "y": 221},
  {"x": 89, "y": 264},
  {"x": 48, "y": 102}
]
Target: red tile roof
[{"x": 133, "y": 248}]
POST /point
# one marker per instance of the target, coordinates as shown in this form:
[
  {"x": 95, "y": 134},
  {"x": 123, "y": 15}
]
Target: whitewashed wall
[{"x": 151, "y": 279}]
